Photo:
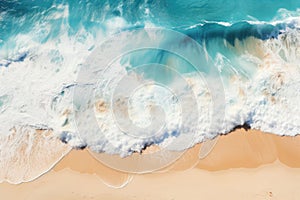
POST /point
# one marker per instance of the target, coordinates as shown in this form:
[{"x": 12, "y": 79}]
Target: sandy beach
[
  {"x": 242, "y": 165},
  {"x": 149, "y": 100}
]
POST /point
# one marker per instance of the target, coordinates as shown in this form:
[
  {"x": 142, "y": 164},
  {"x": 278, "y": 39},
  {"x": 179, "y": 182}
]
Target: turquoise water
[{"x": 19, "y": 16}]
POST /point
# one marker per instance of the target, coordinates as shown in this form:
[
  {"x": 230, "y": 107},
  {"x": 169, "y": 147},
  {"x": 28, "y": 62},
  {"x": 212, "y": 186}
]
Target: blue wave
[
  {"x": 21, "y": 16},
  {"x": 254, "y": 45}
]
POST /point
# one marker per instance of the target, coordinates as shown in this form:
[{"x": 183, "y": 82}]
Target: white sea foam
[
  {"x": 265, "y": 99},
  {"x": 37, "y": 92}
]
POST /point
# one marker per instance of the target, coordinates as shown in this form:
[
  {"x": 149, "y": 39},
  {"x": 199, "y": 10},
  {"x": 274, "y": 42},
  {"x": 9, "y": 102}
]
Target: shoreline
[
  {"x": 234, "y": 158},
  {"x": 238, "y": 149}
]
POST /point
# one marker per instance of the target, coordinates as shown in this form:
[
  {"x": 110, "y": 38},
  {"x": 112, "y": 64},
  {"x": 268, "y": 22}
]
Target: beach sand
[{"x": 242, "y": 165}]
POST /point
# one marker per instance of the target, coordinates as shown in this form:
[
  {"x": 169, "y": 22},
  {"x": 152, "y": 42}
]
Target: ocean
[{"x": 119, "y": 76}]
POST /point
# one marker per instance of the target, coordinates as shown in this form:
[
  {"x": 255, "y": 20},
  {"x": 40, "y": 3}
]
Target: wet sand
[{"x": 242, "y": 165}]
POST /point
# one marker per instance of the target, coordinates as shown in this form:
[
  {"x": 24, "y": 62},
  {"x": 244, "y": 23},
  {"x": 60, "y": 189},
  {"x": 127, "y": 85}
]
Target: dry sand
[{"x": 242, "y": 165}]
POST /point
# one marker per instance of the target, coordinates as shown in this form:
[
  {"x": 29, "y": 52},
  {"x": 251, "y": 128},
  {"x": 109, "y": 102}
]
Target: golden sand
[{"x": 242, "y": 165}]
